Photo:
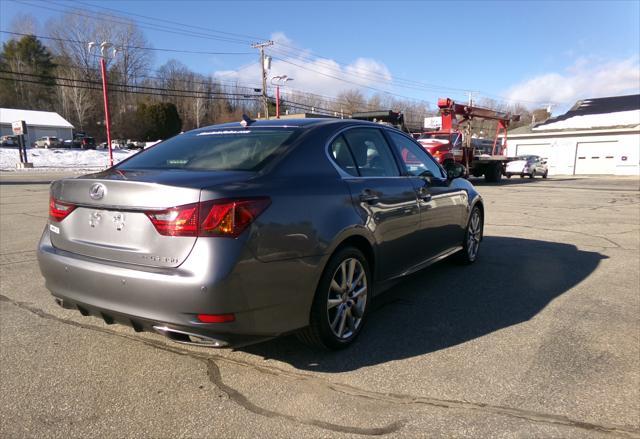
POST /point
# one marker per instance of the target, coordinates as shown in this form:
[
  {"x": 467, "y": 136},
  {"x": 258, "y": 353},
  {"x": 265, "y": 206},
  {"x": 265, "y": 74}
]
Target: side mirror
[
  {"x": 544, "y": 162},
  {"x": 455, "y": 170}
]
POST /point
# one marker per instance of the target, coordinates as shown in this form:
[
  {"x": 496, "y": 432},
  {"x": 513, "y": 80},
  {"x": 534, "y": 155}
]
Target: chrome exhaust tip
[{"x": 189, "y": 338}]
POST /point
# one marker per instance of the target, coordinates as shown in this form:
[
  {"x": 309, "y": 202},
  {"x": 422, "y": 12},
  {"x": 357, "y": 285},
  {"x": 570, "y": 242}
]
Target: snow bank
[{"x": 62, "y": 159}]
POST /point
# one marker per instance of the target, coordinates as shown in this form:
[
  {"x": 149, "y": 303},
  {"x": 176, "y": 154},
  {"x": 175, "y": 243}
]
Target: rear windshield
[{"x": 215, "y": 150}]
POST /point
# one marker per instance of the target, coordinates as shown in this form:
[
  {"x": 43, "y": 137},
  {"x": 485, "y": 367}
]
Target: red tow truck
[{"x": 480, "y": 157}]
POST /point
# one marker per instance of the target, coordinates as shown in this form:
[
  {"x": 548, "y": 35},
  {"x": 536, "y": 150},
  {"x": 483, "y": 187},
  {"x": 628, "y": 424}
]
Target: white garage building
[
  {"x": 39, "y": 124},
  {"x": 596, "y": 136}
]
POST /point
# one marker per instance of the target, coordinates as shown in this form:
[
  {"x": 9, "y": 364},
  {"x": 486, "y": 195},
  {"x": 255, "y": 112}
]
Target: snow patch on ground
[{"x": 62, "y": 159}]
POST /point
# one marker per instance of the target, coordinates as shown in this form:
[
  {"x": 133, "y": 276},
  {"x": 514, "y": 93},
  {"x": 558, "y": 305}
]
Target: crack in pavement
[
  {"x": 213, "y": 372},
  {"x": 215, "y": 377}
]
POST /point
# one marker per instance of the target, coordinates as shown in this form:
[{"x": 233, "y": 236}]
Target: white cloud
[
  {"x": 586, "y": 78},
  {"x": 321, "y": 76}
]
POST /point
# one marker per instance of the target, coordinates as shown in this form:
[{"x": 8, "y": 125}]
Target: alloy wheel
[
  {"x": 474, "y": 234},
  {"x": 347, "y": 298}
]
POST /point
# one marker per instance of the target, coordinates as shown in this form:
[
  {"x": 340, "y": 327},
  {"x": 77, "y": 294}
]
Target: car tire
[
  {"x": 533, "y": 174},
  {"x": 508, "y": 175},
  {"x": 545, "y": 174},
  {"x": 472, "y": 238},
  {"x": 340, "y": 307},
  {"x": 521, "y": 175}
]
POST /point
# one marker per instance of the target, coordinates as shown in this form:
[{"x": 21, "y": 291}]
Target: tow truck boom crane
[{"x": 445, "y": 144}]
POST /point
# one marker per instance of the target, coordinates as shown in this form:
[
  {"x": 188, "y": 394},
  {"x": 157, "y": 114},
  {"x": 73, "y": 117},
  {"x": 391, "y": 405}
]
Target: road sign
[{"x": 19, "y": 127}]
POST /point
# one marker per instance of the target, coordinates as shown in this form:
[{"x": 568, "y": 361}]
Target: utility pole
[
  {"x": 468, "y": 128},
  {"x": 261, "y": 46},
  {"x": 470, "y": 94}
]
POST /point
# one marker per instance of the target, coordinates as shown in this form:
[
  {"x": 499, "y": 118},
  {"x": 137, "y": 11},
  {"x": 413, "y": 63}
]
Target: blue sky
[{"x": 530, "y": 52}]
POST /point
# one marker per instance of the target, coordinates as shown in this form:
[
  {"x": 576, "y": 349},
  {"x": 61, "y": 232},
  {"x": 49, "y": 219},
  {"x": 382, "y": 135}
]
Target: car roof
[{"x": 288, "y": 123}]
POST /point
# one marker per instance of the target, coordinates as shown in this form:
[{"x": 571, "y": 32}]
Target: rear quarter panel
[{"x": 311, "y": 209}]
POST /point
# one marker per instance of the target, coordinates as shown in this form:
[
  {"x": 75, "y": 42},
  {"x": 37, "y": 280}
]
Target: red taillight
[
  {"x": 59, "y": 210},
  {"x": 177, "y": 221},
  {"x": 209, "y": 218},
  {"x": 216, "y": 318},
  {"x": 229, "y": 217}
]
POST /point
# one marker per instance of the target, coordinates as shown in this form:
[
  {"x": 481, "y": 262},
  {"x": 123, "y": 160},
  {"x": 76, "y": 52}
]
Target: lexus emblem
[{"x": 97, "y": 191}]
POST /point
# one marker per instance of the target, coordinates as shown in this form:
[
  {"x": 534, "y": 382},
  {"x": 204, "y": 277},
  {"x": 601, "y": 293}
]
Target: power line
[
  {"x": 191, "y": 26},
  {"x": 285, "y": 52},
  {"x": 128, "y": 47},
  {"x": 325, "y": 61},
  {"x": 112, "y": 84},
  {"x": 190, "y": 33},
  {"x": 292, "y": 52},
  {"x": 346, "y": 80},
  {"x": 122, "y": 88},
  {"x": 145, "y": 26},
  {"x": 215, "y": 80},
  {"x": 129, "y": 91},
  {"x": 333, "y": 99}
]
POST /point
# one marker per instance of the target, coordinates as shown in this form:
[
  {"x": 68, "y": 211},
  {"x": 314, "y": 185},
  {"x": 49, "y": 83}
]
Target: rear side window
[
  {"x": 342, "y": 156},
  {"x": 215, "y": 150},
  {"x": 371, "y": 153},
  {"x": 415, "y": 160}
]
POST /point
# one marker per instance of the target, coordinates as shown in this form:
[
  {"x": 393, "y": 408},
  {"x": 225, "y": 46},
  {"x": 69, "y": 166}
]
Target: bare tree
[
  {"x": 77, "y": 102},
  {"x": 351, "y": 101},
  {"x": 24, "y": 24}
]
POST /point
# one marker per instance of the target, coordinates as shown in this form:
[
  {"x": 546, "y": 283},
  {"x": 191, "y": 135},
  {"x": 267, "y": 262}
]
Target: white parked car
[
  {"x": 48, "y": 142},
  {"x": 9, "y": 141},
  {"x": 530, "y": 165}
]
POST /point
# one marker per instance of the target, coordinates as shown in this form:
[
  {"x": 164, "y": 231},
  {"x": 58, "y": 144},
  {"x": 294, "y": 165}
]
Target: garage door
[
  {"x": 540, "y": 149},
  {"x": 595, "y": 158},
  {"x": 46, "y": 132}
]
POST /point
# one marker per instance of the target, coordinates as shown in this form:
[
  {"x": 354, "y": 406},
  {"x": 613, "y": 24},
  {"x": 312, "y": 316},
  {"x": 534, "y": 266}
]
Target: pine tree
[{"x": 27, "y": 68}]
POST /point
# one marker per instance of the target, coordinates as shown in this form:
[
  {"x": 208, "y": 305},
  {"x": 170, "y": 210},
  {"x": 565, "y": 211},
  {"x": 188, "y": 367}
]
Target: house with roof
[
  {"x": 39, "y": 124},
  {"x": 596, "y": 136}
]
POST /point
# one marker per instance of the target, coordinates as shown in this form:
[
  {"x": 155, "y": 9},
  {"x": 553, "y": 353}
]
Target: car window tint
[
  {"x": 415, "y": 160},
  {"x": 371, "y": 153},
  {"x": 342, "y": 156},
  {"x": 215, "y": 150}
]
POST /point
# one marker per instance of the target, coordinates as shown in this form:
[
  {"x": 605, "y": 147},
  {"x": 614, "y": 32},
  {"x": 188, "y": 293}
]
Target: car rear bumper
[{"x": 267, "y": 299}]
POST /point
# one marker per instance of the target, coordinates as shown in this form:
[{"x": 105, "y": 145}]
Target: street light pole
[
  {"x": 103, "y": 70},
  {"x": 279, "y": 80}
]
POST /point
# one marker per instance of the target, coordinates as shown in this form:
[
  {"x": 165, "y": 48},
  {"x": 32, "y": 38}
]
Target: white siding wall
[{"x": 561, "y": 153}]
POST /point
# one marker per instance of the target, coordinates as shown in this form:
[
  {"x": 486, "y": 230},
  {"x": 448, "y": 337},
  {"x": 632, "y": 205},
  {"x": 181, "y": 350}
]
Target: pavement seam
[{"x": 215, "y": 377}]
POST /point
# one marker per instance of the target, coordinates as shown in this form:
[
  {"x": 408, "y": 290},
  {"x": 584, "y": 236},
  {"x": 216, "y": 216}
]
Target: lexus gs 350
[{"x": 236, "y": 233}]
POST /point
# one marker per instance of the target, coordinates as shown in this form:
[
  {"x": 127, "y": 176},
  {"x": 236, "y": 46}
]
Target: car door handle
[{"x": 367, "y": 196}]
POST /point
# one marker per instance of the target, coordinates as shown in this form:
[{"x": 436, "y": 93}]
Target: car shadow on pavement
[{"x": 446, "y": 305}]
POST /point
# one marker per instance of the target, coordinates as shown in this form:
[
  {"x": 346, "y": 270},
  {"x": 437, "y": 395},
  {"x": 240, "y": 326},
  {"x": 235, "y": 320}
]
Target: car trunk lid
[{"x": 110, "y": 220}]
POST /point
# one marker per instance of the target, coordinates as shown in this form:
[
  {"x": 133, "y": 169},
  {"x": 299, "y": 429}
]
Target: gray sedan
[{"x": 236, "y": 233}]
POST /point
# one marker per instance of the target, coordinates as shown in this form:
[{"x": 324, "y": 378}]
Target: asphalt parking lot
[{"x": 539, "y": 338}]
